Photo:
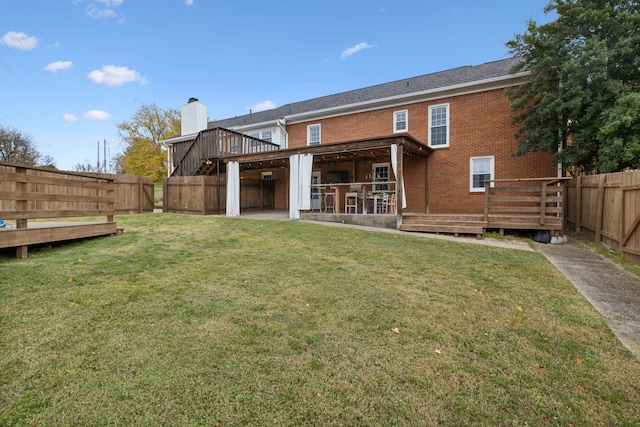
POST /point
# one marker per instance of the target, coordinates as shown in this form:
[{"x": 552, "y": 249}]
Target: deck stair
[{"x": 444, "y": 223}]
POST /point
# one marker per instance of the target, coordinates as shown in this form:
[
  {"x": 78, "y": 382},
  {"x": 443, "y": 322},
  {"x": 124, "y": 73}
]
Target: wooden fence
[
  {"x": 607, "y": 207},
  {"x": 34, "y": 193},
  {"x": 199, "y": 195},
  {"x": 133, "y": 194}
]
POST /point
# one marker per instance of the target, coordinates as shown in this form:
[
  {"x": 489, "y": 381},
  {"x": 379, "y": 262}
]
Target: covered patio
[{"x": 335, "y": 182}]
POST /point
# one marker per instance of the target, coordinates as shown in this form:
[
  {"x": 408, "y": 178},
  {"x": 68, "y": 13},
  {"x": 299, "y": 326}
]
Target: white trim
[
  {"x": 491, "y": 171},
  {"x": 448, "y": 112},
  {"x": 406, "y": 121},
  {"x": 309, "y": 134}
]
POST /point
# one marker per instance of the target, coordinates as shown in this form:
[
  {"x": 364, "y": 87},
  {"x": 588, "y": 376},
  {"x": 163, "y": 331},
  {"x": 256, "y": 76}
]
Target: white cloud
[
  {"x": 263, "y": 106},
  {"x": 188, "y": 2},
  {"x": 58, "y": 65},
  {"x": 96, "y": 115},
  {"x": 69, "y": 118},
  {"x": 104, "y": 9},
  {"x": 20, "y": 41},
  {"x": 111, "y": 75},
  {"x": 354, "y": 49}
]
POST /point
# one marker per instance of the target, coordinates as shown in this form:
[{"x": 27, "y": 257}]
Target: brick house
[{"x": 449, "y": 132}]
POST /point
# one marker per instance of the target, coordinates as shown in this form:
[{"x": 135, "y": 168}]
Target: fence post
[
  {"x": 21, "y": 206},
  {"x": 600, "y": 207},
  {"x": 578, "y": 202},
  {"x": 543, "y": 202},
  {"x": 140, "y": 194}
]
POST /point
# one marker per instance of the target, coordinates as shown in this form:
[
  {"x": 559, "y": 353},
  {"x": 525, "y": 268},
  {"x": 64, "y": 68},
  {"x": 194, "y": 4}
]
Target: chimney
[{"x": 194, "y": 117}]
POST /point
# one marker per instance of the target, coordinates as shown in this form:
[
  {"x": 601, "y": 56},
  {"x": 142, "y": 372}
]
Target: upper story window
[
  {"x": 482, "y": 169},
  {"x": 313, "y": 134},
  {"x": 400, "y": 121},
  {"x": 266, "y": 136},
  {"x": 439, "y": 126}
]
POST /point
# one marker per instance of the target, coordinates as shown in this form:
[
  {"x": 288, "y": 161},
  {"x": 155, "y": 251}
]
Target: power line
[{"x": 17, "y": 59}]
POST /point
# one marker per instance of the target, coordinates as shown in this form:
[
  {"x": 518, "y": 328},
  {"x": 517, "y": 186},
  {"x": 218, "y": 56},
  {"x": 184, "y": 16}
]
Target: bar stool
[
  {"x": 351, "y": 202},
  {"x": 330, "y": 196}
]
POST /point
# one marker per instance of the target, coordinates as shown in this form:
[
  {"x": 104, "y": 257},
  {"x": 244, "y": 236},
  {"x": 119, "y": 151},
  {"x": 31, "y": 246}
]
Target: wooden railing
[
  {"x": 35, "y": 193},
  {"x": 371, "y": 197},
  {"x": 526, "y": 204},
  {"x": 188, "y": 156}
]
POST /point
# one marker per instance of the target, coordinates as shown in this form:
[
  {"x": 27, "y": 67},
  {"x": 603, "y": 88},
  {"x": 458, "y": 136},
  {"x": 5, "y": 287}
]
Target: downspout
[{"x": 281, "y": 124}]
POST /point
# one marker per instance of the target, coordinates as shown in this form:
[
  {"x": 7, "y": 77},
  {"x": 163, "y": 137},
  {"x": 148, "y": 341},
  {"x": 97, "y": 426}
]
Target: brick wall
[{"x": 480, "y": 125}]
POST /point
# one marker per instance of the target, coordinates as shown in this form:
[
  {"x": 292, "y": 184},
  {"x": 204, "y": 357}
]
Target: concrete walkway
[{"x": 612, "y": 291}]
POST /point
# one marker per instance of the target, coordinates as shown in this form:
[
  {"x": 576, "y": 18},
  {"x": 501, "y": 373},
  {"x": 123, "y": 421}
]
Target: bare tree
[{"x": 16, "y": 147}]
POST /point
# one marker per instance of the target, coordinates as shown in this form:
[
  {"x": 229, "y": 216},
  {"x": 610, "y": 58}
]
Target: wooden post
[
  {"x": 543, "y": 202},
  {"x": 565, "y": 190},
  {"x": 578, "y": 202},
  {"x": 141, "y": 196},
  {"x": 203, "y": 187},
  {"x": 21, "y": 206},
  {"x": 164, "y": 194},
  {"x": 600, "y": 207}
]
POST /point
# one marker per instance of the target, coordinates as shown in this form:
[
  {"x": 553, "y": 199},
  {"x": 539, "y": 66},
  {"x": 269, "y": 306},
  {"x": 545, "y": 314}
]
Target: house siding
[{"x": 480, "y": 125}]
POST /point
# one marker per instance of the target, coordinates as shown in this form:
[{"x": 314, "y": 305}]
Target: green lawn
[{"x": 190, "y": 321}]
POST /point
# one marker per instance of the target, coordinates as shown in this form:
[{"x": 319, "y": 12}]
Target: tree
[
  {"x": 16, "y": 147},
  {"x": 582, "y": 98},
  {"x": 145, "y": 153}
]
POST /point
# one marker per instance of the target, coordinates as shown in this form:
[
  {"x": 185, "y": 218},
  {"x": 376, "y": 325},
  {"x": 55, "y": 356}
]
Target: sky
[{"x": 71, "y": 70}]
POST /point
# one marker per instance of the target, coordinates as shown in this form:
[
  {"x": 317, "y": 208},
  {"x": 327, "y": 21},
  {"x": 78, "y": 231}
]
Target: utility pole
[{"x": 104, "y": 161}]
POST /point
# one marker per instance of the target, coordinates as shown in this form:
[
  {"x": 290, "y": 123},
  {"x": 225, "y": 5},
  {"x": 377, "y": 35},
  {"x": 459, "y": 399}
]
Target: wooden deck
[
  {"x": 448, "y": 224},
  {"x": 47, "y": 232},
  {"x": 30, "y": 193}
]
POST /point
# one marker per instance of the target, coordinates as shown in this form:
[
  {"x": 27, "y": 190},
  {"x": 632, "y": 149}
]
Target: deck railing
[
  {"x": 189, "y": 156},
  {"x": 373, "y": 197},
  {"x": 527, "y": 204}
]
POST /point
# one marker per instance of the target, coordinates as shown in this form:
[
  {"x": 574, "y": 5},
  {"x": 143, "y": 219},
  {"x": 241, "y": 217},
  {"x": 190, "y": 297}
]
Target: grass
[{"x": 193, "y": 321}]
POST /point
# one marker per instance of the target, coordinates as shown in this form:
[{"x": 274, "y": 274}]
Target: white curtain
[
  {"x": 294, "y": 213},
  {"x": 399, "y": 180},
  {"x": 300, "y": 166},
  {"x": 306, "y": 164},
  {"x": 233, "y": 189}
]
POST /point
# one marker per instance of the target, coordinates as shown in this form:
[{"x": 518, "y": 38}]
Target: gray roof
[{"x": 441, "y": 79}]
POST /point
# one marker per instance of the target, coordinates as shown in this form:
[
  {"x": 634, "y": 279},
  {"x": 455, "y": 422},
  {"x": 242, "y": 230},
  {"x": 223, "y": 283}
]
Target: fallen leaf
[
  {"x": 438, "y": 351},
  {"x": 395, "y": 330},
  {"x": 479, "y": 291},
  {"x": 70, "y": 279},
  {"x": 578, "y": 360},
  {"x": 520, "y": 308}
]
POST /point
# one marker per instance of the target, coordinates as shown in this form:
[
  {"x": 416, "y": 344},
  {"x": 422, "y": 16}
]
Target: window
[
  {"x": 266, "y": 136},
  {"x": 380, "y": 173},
  {"x": 313, "y": 135},
  {"x": 400, "y": 121},
  {"x": 481, "y": 170},
  {"x": 439, "y": 126}
]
